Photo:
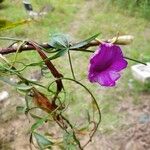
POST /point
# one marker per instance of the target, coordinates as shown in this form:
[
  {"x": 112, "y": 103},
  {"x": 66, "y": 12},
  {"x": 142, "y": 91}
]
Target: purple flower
[{"x": 105, "y": 64}]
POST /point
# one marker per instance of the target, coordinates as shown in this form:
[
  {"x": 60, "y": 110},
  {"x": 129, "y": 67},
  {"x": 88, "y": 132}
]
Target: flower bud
[{"x": 122, "y": 40}]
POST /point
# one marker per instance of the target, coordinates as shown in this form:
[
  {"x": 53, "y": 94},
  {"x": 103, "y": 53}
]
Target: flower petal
[
  {"x": 103, "y": 57},
  {"x": 119, "y": 65},
  {"x": 105, "y": 64},
  {"x": 119, "y": 62},
  {"x": 106, "y": 78}
]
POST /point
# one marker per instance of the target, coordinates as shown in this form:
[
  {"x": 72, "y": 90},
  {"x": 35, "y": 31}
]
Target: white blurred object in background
[
  {"x": 3, "y": 95},
  {"x": 141, "y": 72}
]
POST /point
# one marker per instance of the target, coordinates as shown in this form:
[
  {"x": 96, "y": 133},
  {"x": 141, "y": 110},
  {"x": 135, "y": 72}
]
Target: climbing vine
[{"x": 48, "y": 102}]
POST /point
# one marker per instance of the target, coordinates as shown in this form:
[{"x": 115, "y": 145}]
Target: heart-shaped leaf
[
  {"x": 42, "y": 141},
  {"x": 59, "y": 41}
]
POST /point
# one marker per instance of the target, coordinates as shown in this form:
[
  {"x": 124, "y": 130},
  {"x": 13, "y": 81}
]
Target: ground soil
[{"x": 133, "y": 135}]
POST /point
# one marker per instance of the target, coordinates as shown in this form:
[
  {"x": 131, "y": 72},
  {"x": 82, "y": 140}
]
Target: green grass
[
  {"x": 103, "y": 18},
  {"x": 139, "y": 8}
]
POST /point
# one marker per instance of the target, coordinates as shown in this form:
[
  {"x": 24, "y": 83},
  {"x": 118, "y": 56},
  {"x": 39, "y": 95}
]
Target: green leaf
[
  {"x": 38, "y": 123},
  {"x": 85, "y": 42},
  {"x": 35, "y": 116},
  {"x": 5, "y": 24},
  {"x": 58, "y": 54},
  {"x": 59, "y": 41},
  {"x": 23, "y": 87},
  {"x": 42, "y": 141}
]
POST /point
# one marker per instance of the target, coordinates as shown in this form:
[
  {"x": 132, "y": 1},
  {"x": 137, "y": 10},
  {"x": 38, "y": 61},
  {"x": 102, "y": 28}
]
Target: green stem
[
  {"x": 16, "y": 54},
  {"x": 135, "y": 60},
  {"x": 71, "y": 67},
  {"x": 83, "y": 50}
]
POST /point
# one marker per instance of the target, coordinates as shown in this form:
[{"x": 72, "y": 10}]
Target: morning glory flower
[{"x": 105, "y": 64}]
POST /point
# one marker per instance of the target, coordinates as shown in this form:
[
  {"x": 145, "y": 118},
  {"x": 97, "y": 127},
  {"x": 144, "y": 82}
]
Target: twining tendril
[{"x": 95, "y": 103}]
